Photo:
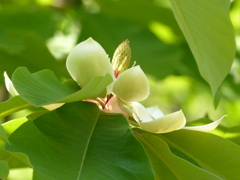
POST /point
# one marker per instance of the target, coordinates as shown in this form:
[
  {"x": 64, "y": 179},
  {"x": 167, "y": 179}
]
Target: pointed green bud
[
  {"x": 87, "y": 60},
  {"x": 132, "y": 85},
  {"x": 121, "y": 58}
]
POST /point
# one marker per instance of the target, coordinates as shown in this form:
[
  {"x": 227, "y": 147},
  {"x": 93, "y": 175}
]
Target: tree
[{"x": 84, "y": 121}]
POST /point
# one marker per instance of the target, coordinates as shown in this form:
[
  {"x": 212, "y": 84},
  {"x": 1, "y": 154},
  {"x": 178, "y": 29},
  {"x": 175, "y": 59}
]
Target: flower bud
[
  {"x": 121, "y": 58},
  {"x": 87, "y": 60},
  {"x": 132, "y": 85}
]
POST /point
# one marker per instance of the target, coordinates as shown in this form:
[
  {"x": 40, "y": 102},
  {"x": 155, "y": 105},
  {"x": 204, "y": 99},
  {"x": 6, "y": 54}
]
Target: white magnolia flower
[
  {"x": 153, "y": 120},
  {"x": 88, "y": 59}
]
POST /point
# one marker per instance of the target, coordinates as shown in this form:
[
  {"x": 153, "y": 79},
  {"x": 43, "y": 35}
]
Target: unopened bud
[{"x": 121, "y": 58}]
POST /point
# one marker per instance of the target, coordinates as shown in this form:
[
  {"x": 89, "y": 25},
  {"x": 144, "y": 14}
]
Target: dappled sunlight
[
  {"x": 79, "y": 104},
  {"x": 175, "y": 92},
  {"x": 163, "y": 32},
  {"x": 20, "y": 174}
]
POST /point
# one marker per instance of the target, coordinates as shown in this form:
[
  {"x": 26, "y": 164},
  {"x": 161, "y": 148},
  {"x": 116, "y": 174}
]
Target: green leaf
[
  {"x": 71, "y": 84},
  {"x": 78, "y": 141},
  {"x": 3, "y": 133},
  {"x": 214, "y": 154},
  {"x": 96, "y": 88},
  {"x": 167, "y": 165},
  {"x": 12, "y": 125},
  {"x": 14, "y": 160},
  {"x": 3, "y": 170},
  {"x": 13, "y": 105},
  {"x": 206, "y": 24},
  {"x": 43, "y": 87},
  {"x": 40, "y": 88},
  {"x": 217, "y": 99}
]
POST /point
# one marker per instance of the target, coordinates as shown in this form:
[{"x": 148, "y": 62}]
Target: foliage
[{"x": 187, "y": 49}]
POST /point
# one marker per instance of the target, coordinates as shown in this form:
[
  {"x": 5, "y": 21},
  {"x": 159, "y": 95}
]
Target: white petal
[
  {"x": 155, "y": 112},
  {"x": 87, "y": 60},
  {"x": 132, "y": 85},
  {"x": 9, "y": 85},
  {"x": 206, "y": 127},
  {"x": 140, "y": 112},
  {"x": 168, "y": 123}
]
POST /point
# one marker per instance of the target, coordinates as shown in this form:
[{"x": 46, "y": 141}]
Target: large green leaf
[
  {"x": 14, "y": 160},
  {"x": 214, "y": 154},
  {"x": 167, "y": 165},
  {"x": 210, "y": 35},
  {"x": 43, "y": 87},
  {"x": 3, "y": 170},
  {"x": 78, "y": 141}
]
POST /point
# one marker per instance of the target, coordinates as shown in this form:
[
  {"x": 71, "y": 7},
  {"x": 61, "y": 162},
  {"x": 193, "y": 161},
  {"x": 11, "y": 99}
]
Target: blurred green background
[{"x": 39, "y": 34}]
